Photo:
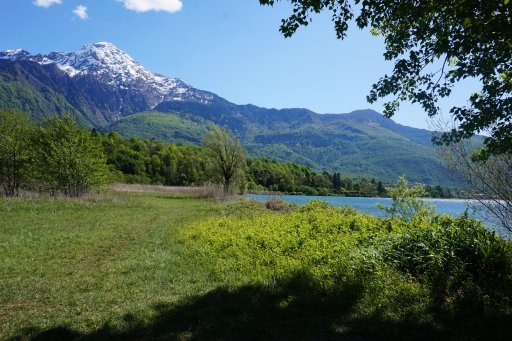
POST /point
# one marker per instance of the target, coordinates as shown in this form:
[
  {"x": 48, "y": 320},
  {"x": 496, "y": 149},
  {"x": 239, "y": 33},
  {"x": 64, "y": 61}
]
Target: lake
[{"x": 454, "y": 207}]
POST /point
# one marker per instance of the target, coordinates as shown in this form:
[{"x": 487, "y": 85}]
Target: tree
[
  {"x": 434, "y": 44},
  {"x": 226, "y": 154},
  {"x": 489, "y": 179},
  {"x": 68, "y": 160},
  {"x": 14, "y": 151},
  {"x": 406, "y": 203},
  {"x": 381, "y": 190}
]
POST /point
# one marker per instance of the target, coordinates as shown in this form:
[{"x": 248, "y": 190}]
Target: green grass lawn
[
  {"x": 83, "y": 263},
  {"x": 160, "y": 266}
]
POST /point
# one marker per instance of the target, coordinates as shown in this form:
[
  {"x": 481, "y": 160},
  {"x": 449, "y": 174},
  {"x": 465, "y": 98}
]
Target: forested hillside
[
  {"x": 154, "y": 162},
  {"x": 359, "y": 144},
  {"x": 104, "y": 88}
]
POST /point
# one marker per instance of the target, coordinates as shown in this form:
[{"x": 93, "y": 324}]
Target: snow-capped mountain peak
[
  {"x": 105, "y": 60},
  {"x": 13, "y": 55},
  {"x": 116, "y": 68},
  {"x": 99, "y": 58}
]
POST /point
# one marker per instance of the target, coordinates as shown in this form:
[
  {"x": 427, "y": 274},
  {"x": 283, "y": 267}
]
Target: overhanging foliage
[{"x": 434, "y": 44}]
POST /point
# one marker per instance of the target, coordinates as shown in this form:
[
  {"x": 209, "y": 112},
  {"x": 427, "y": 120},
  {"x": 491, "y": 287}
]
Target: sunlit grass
[
  {"x": 83, "y": 263},
  {"x": 168, "y": 266}
]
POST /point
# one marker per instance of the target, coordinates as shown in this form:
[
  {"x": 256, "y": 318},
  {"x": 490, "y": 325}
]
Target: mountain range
[{"x": 106, "y": 89}]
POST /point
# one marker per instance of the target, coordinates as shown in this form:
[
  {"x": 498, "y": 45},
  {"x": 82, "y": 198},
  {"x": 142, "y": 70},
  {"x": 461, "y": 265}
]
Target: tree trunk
[{"x": 226, "y": 186}]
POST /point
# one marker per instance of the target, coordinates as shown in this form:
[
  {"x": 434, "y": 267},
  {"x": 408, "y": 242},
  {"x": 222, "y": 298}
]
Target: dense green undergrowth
[
  {"x": 157, "y": 266},
  {"x": 446, "y": 276}
]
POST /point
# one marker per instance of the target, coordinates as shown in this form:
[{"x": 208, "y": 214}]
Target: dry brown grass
[
  {"x": 93, "y": 196},
  {"x": 207, "y": 191},
  {"x": 279, "y": 205}
]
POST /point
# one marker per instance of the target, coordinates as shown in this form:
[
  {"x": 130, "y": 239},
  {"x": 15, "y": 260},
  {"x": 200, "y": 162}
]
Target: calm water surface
[{"x": 454, "y": 207}]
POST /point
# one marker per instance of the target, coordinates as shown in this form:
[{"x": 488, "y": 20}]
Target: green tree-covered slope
[
  {"x": 170, "y": 127},
  {"x": 358, "y": 144}
]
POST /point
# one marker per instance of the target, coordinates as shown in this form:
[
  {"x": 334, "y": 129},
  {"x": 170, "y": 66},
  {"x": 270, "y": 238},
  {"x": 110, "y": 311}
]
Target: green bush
[
  {"x": 448, "y": 265},
  {"x": 452, "y": 247},
  {"x": 67, "y": 160},
  {"x": 319, "y": 239},
  {"x": 407, "y": 205},
  {"x": 15, "y": 152}
]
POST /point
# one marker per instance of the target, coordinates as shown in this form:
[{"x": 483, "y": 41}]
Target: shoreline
[{"x": 277, "y": 193}]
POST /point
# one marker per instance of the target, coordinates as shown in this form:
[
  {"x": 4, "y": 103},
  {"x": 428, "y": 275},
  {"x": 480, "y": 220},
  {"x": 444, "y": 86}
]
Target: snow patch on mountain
[
  {"x": 115, "y": 67},
  {"x": 17, "y": 54}
]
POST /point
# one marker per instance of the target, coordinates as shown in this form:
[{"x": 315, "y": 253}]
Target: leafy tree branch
[{"x": 469, "y": 39}]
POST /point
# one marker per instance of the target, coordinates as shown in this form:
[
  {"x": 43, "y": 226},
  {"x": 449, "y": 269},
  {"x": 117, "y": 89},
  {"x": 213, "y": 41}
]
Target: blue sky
[{"x": 230, "y": 47}]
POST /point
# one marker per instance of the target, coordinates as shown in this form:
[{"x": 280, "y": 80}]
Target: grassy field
[
  {"x": 166, "y": 266},
  {"x": 85, "y": 264}
]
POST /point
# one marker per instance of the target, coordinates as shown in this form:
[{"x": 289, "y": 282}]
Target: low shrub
[
  {"x": 277, "y": 204},
  {"x": 452, "y": 269},
  {"x": 406, "y": 204},
  {"x": 468, "y": 267},
  {"x": 316, "y": 238},
  {"x": 453, "y": 245}
]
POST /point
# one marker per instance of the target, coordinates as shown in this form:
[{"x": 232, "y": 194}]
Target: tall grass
[{"x": 209, "y": 191}]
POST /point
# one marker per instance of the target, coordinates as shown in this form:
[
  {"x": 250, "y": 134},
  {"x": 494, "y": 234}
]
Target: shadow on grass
[{"x": 291, "y": 310}]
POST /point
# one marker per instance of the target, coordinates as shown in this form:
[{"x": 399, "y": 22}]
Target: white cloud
[
  {"x": 81, "y": 12},
  {"x": 47, "y": 3},
  {"x": 170, "y": 6}
]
